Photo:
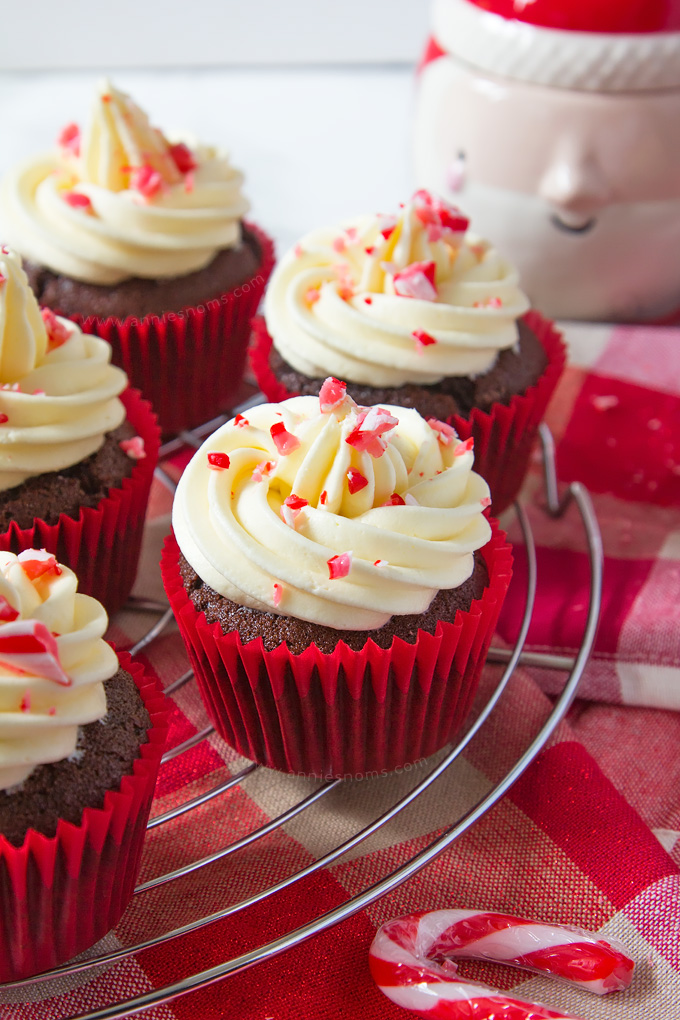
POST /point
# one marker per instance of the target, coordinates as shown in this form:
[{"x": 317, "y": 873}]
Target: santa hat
[{"x": 595, "y": 45}]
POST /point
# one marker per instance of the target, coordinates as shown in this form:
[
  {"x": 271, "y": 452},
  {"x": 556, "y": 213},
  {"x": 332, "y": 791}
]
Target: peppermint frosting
[
  {"x": 319, "y": 509},
  {"x": 122, "y": 201},
  {"x": 388, "y": 300},
  {"x": 58, "y": 390},
  {"x": 53, "y": 662}
]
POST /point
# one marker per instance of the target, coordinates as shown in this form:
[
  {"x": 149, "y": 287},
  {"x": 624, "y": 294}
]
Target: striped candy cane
[{"x": 405, "y": 955}]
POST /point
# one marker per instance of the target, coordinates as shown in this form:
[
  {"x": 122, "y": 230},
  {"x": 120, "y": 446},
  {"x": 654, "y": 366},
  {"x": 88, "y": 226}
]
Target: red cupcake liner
[
  {"x": 102, "y": 546},
  {"x": 61, "y": 894},
  {"x": 347, "y": 713},
  {"x": 504, "y": 436},
  {"x": 189, "y": 363}
]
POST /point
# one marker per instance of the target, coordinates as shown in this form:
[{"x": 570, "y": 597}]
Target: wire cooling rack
[{"x": 83, "y": 970}]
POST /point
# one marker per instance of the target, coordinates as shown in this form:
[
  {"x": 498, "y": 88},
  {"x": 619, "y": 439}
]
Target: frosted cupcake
[
  {"x": 142, "y": 241},
  {"x": 415, "y": 310},
  {"x": 77, "y": 447},
  {"x": 83, "y": 730},
  {"x": 328, "y": 582}
]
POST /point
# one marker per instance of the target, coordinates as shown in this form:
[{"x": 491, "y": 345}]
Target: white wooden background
[{"x": 313, "y": 100}]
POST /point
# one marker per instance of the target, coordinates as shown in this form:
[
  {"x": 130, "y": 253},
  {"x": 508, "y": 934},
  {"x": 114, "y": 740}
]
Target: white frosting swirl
[
  {"x": 334, "y": 305},
  {"x": 229, "y": 523},
  {"x": 141, "y": 212},
  {"x": 58, "y": 390},
  {"x": 39, "y": 717}
]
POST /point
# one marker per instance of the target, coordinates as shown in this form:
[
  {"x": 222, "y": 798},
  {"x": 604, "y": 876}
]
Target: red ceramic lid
[{"x": 616, "y": 16}]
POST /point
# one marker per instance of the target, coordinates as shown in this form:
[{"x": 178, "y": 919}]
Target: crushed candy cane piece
[
  {"x": 57, "y": 330},
  {"x": 183, "y": 157},
  {"x": 3, "y": 419},
  {"x": 189, "y": 182},
  {"x": 485, "y": 501},
  {"x": 339, "y": 244},
  {"x": 7, "y": 611},
  {"x": 69, "y": 139},
  {"x": 36, "y": 563},
  {"x": 410, "y": 500},
  {"x": 312, "y": 295},
  {"x": 147, "y": 181},
  {"x": 323, "y": 498},
  {"x": 52, "y": 711},
  {"x": 416, "y": 281},
  {"x": 332, "y": 394},
  {"x": 438, "y": 213},
  {"x": 76, "y": 199},
  {"x": 355, "y": 481},
  {"x": 291, "y": 507},
  {"x": 422, "y": 339},
  {"x": 370, "y": 249},
  {"x": 284, "y": 441},
  {"x": 25, "y": 704},
  {"x": 387, "y": 225},
  {"x": 278, "y": 593},
  {"x": 371, "y": 425},
  {"x": 394, "y": 500},
  {"x": 467, "y": 446},
  {"x": 134, "y": 447},
  {"x": 298, "y": 251},
  {"x": 339, "y": 566},
  {"x": 263, "y": 470},
  {"x": 28, "y": 647},
  {"x": 351, "y": 233},
  {"x": 368, "y": 300},
  {"x": 240, "y": 422},
  {"x": 380, "y": 563},
  {"x": 218, "y": 461}
]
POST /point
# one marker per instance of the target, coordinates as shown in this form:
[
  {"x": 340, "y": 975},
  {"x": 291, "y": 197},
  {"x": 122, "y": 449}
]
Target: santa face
[{"x": 580, "y": 189}]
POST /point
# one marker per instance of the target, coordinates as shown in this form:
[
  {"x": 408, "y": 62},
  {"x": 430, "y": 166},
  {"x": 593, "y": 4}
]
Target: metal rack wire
[{"x": 574, "y": 666}]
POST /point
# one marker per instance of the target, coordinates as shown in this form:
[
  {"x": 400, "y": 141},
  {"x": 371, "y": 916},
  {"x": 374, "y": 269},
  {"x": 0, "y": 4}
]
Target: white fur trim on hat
[{"x": 592, "y": 61}]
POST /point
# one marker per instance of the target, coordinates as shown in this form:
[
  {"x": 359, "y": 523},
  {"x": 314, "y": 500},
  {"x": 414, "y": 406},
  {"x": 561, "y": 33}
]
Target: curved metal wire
[{"x": 555, "y": 507}]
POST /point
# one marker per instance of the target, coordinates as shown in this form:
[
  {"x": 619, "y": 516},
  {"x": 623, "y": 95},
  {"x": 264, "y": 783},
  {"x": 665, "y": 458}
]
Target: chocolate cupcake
[
  {"x": 141, "y": 241},
  {"x": 83, "y": 731},
  {"x": 414, "y": 310},
  {"x": 77, "y": 448},
  {"x": 336, "y": 582}
]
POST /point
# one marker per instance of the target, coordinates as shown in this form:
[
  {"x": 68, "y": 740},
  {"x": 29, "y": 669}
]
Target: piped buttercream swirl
[
  {"x": 343, "y": 516},
  {"x": 58, "y": 390},
  {"x": 388, "y": 300},
  {"x": 46, "y": 695},
  {"x": 122, "y": 201}
]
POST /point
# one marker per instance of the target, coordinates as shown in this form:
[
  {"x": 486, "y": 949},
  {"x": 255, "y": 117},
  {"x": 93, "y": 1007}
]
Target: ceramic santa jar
[{"x": 555, "y": 125}]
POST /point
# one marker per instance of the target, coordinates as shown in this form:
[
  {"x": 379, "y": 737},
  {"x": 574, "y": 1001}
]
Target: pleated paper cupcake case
[
  {"x": 62, "y": 894},
  {"x": 349, "y": 713},
  {"x": 103, "y": 545}
]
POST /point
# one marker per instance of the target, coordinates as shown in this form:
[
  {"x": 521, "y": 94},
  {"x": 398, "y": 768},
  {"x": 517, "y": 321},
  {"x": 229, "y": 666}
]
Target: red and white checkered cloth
[{"x": 588, "y": 836}]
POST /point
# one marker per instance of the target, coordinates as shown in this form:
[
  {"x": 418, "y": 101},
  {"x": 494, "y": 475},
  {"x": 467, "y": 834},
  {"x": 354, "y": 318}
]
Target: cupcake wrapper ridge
[
  {"x": 189, "y": 364},
  {"x": 503, "y": 437},
  {"x": 61, "y": 894},
  {"x": 349, "y": 713},
  {"x": 102, "y": 546}
]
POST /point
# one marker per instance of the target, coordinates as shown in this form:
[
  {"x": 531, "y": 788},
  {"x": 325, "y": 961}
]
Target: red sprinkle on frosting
[
  {"x": 76, "y": 200},
  {"x": 69, "y": 139},
  {"x": 284, "y": 441},
  {"x": 278, "y": 592},
  {"x": 241, "y": 422},
  {"x": 218, "y": 461},
  {"x": 417, "y": 281},
  {"x": 395, "y": 500},
  {"x": 323, "y": 498},
  {"x": 465, "y": 447},
  {"x": 355, "y": 481},
  {"x": 183, "y": 157},
  {"x": 423, "y": 339},
  {"x": 57, "y": 332},
  {"x": 339, "y": 566},
  {"x": 295, "y": 502},
  {"x": 147, "y": 181},
  {"x": 34, "y": 569}
]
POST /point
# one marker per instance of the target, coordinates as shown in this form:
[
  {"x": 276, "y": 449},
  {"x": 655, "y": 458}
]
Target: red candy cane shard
[
  {"x": 26, "y": 646},
  {"x": 284, "y": 441},
  {"x": 402, "y": 960}
]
